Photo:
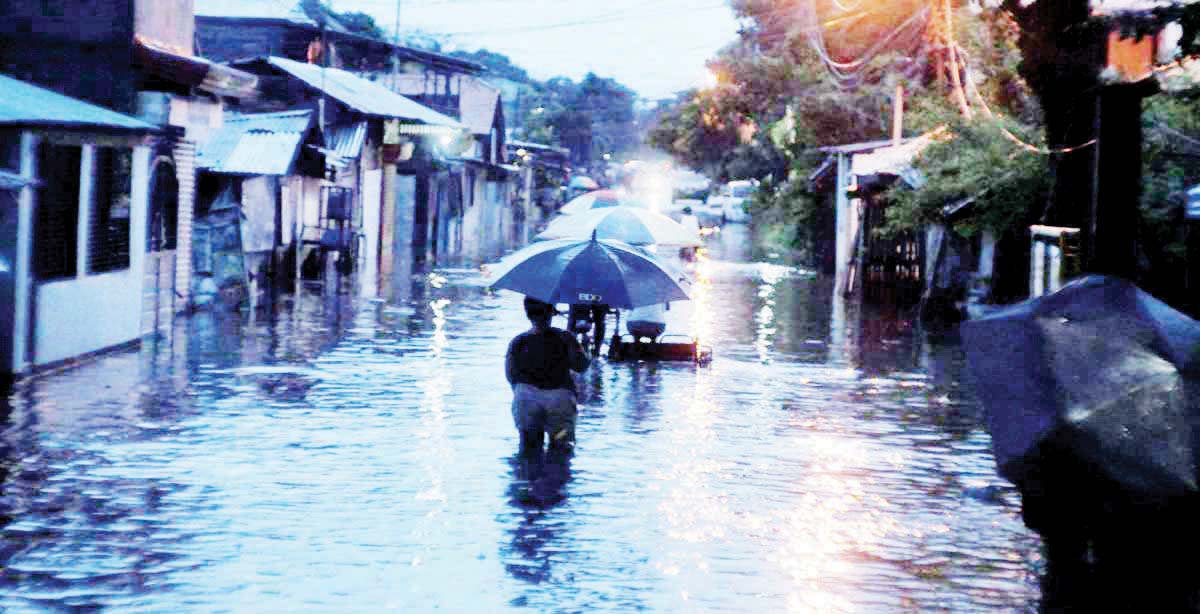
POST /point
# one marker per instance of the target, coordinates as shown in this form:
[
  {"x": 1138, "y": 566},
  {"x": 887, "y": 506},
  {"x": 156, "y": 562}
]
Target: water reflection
[{"x": 340, "y": 456}]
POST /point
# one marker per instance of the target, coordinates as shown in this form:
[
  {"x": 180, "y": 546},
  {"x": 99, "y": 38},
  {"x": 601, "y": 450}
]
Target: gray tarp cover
[{"x": 1103, "y": 367}]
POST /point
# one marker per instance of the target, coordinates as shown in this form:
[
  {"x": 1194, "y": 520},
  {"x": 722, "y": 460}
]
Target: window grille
[
  {"x": 57, "y": 220},
  {"x": 108, "y": 232}
]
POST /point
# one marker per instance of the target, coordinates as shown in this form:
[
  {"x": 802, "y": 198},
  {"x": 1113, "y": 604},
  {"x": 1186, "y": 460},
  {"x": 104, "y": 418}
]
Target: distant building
[
  {"x": 233, "y": 30},
  {"x": 74, "y": 217},
  {"x": 258, "y": 174},
  {"x": 379, "y": 144}
]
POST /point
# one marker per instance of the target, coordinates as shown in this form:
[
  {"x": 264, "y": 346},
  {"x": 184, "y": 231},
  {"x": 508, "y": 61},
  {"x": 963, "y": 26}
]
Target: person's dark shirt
[{"x": 544, "y": 358}]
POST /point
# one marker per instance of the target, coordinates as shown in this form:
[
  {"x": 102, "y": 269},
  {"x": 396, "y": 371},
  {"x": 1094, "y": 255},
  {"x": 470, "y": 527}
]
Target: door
[
  {"x": 158, "y": 298},
  {"x": 8, "y": 280}
]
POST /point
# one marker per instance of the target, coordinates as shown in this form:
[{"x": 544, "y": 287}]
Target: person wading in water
[{"x": 538, "y": 365}]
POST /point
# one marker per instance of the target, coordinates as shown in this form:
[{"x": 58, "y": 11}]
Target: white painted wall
[
  {"x": 94, "y": 312},
  {"x": 372, "y": 211},
  {"x": 847, "y": 223}
]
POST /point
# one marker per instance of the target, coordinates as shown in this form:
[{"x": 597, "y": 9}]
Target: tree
[
  {"x": 361, "y": 23},
  {"x": 498, "y": 64},
  {"x": 778, "y": 100}
]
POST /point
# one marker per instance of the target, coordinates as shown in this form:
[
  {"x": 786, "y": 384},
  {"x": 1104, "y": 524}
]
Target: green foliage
[
  {"x": 1008, "y": 184},
  {"x": 361, "y": 23},
  {"x": 773, "y": 81},
  {"x": 498, "y": 64},
  {"x": 592, "y": 117},
  {"x": 1170, "y": 156}
]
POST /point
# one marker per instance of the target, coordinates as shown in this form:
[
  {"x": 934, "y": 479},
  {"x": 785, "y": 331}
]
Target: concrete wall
[
  {"x": 225, "y": 40},
  {"x": 371, "y": 199},
  {"x": 84, "y": 50},
  {"x": 94, "y": 312}
]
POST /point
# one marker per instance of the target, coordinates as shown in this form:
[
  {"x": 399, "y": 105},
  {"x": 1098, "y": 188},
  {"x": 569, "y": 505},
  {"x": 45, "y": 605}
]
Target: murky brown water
[{"x": 342, "y": 458}]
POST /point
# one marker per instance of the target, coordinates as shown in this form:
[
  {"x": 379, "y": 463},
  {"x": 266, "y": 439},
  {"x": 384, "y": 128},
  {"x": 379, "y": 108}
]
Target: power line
[{"x": 612, "y": 17}]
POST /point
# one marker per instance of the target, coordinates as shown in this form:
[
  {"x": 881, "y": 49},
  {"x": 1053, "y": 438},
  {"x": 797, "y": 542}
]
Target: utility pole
[{"x": 395, "y": 51}]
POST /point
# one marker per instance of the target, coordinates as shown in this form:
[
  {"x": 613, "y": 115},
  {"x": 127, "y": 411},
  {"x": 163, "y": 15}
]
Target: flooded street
[{"x": 358, "y": 457}]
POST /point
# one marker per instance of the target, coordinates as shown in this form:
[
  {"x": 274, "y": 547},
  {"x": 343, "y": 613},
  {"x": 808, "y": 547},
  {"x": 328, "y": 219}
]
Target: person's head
[
  {"x": 687, "y": 210},
  {"x": 539, "y": 313}
]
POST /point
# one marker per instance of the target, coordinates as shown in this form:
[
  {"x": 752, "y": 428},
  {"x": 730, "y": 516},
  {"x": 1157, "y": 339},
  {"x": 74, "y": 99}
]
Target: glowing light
[
  {"x": 522, "y": 152},
  {"x": 711, "y": 79}
]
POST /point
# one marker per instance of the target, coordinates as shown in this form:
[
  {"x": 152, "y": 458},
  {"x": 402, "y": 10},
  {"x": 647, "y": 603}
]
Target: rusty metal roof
[
  {"x": 29, "y": 105},
  {"x": 361, "y": 95},
  {"x": 257, "y": 144}
]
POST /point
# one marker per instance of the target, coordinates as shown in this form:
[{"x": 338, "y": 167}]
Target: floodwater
[{"x": 358, "y": 457}]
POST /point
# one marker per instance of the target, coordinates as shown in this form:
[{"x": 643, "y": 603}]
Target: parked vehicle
[
  {"x": 729, "y": 201},
  {"x": 708, "y": 213}
]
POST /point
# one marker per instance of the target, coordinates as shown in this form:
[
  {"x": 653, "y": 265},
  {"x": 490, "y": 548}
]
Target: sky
[{"x": 655, "y": 47}]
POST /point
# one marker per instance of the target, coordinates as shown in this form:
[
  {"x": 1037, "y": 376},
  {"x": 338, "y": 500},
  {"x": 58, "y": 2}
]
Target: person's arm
[
  {"x": 510, "y": 366},
  {"x": 576, "y": 359}
]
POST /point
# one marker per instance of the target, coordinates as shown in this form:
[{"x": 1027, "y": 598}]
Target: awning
[
  {"x": 29, "y": 105},
  {"x": 177, "y": 66},
  {"x": 258, "y": 144},
  {"x": 347, "y": 141}
]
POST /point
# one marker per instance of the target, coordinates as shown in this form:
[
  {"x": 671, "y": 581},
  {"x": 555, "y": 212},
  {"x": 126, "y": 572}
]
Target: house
[
  {"x": 258, "y": 173},
  {"x": 233, "y": 30},
  {"x": 933, "y": 267},
  {"x": 544, "y": 172},
  {"x": 478, "y": 219},
  {"x": 135, "y": 57},
  {"x": 375, "y": 137},
  {"x": 75, "y": 183}
]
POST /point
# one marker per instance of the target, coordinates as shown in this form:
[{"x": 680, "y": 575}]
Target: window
[
  {"x": 10, "y": 150},
  {"x": 108, "y": 231},
  {"x": 56, "y": 223}
]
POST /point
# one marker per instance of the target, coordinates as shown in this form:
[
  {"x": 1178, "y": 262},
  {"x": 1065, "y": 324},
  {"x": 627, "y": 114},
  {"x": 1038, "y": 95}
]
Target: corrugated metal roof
[
  {"x": 263, "y": 153},
  {"x": 857, "y": 147},
  {"x": 347, "y": 141},
  {"x": 30, "y": 105},
  {"x": 366, "y": 97},
  {"x": 258, "y": 144}
]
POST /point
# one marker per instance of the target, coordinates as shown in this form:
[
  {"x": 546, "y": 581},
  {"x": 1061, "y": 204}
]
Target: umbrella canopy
[
  {"x": 583, "y": 183},
  {"x": 628, "y": 224},
  {"x": 594, "y": 271},
  {"x": 1100, "y": 368},
  {"x": 597, "y": 199}
]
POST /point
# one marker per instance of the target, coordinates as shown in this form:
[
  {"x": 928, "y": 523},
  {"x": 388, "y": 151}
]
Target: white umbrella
[
  {"x": 631, "y": 225},
  {"x": 597, "y": 199}
]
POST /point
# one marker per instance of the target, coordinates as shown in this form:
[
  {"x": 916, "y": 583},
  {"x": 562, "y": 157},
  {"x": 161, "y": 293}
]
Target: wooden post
[
  {"x": 1110, "y": 235},
  {"x": 898, "y": 114}
]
